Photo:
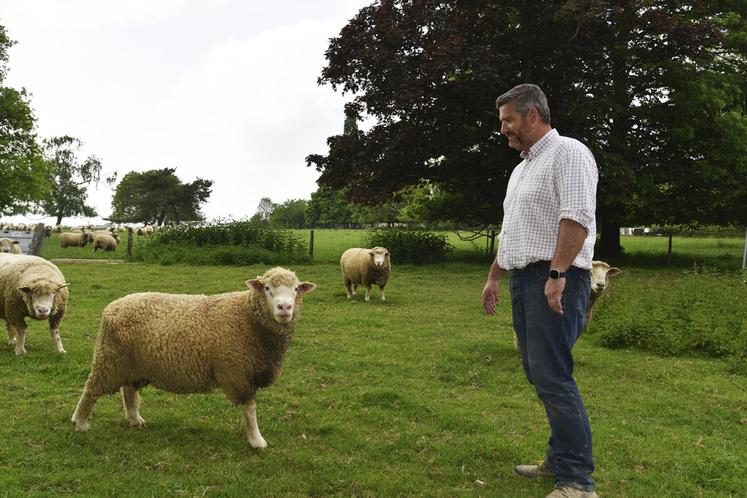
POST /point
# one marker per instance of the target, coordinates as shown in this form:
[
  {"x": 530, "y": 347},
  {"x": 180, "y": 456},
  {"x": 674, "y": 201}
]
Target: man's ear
[{"x": 255, "y": 284}]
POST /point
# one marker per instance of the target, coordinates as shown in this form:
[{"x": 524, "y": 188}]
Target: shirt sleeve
[{"x": 577, "y": 178}]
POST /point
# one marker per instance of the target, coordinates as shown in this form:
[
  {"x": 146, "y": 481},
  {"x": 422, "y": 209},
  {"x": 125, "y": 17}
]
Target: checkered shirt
[{"x": 556, "y": 180}]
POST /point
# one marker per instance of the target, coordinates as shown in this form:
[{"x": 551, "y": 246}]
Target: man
[{"x": 546, "y": 245}]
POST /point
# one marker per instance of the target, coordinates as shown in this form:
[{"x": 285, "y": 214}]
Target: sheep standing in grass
[
  {"x": 74, "y": 239},
  {"x": 10, "y": 246},
  {"x": 190, "y": 343},
  {"x": 600, "y": 273},
  {"x": 34, "y": 287},
  {"x": 104, "y": 242},
  {"x": 365, "y": 267}
]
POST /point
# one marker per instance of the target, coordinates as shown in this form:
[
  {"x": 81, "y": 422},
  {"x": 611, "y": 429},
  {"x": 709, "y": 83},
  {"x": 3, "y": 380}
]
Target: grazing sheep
[
  {"x": 10, "y": 246},
  {"x": 111, "y": 233},
  {"x": 104, "y": 242},
  {"x": 74, "y": 239},
  {"x": 195, "y": 343},
  {"x": 34, "y": 287},
  {"x": 367, "y": 267},
  {"x": 600, "y": 271}
]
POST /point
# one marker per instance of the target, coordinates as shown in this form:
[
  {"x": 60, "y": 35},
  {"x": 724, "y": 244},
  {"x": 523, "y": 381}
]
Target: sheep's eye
[{"x": 267, "y": 288}]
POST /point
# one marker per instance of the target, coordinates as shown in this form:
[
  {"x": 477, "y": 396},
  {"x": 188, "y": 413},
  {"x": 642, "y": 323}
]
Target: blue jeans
[{"x": 545, "y": 341}]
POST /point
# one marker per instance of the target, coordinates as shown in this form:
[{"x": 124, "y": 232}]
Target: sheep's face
[
  {"x": 6, "y": 245},
  {"x": 379, "y": 257},
  {"x": 600, "y": 273},
  {"x": 281, "y": 291},
  {"x": 40, "y": 299}
]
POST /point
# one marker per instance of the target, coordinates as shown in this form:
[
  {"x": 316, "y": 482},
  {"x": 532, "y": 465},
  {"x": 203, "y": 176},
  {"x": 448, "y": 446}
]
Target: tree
[
  {"x": 265, "y": 209},
  {"x": 69, "y": 178},
  {"x": 328, "y": 207},
  {"x": 158, "y": 196},
  {"x": 289, "y": 214},
  {"x": 23, "y": 174},
  {"x": 619, "y": 78}
]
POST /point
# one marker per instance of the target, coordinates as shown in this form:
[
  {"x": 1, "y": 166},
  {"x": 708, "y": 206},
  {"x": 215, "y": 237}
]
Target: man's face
[{"x": 515, "y": 127}]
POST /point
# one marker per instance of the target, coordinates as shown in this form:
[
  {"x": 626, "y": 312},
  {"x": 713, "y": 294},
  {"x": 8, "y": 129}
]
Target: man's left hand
[{"x": 554, "y": 293}]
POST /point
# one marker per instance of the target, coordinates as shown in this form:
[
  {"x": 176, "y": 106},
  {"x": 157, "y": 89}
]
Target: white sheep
[
  {"x": 104, "y": 242},
  {"x": 10, "y": 246},
  {"x": 34, "y": 287},
  {"x": 74, "y": 239},
  {"x": 600, "y": 271},
  {"x": 365, "y": 267},
  {"x": 195, "y": 343}
]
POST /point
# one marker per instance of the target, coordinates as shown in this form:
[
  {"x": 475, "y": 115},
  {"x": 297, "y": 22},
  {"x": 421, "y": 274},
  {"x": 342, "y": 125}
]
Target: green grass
[{"x": 421, "y": 395}]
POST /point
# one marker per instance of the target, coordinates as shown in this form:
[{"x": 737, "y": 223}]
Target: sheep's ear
[
  {"x": 255, "y": 284},
  {"x": 613, "y": 271},
  {"x": 16, "y": 242},
  {"x": 25, "y": 290},
  {"x": 306, "y": 287},
  {"x": 62, "y": 286}
]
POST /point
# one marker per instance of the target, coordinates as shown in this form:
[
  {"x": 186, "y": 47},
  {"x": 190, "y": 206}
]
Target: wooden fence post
[
  {"x": 311, "y": 243},
  {"x": 669, "y": 252},
  {"x": 36, "y": 241}
]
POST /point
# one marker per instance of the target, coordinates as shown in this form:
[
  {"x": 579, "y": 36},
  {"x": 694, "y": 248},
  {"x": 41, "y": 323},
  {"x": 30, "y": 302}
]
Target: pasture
[{"x": 421, "y": 395}]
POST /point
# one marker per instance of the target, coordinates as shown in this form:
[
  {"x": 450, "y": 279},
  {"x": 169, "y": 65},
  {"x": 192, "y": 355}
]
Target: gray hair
[{"x": 525, "y": 96}]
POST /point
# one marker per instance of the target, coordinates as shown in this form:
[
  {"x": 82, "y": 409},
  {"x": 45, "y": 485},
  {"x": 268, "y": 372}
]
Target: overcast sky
[{"x": 219, "y": 89}]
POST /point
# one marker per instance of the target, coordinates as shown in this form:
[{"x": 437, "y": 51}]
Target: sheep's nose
[
  {"x": 600, "y": 288},
  {"x": 42, "y": 312},
  {"x": 285, "y": 306}
]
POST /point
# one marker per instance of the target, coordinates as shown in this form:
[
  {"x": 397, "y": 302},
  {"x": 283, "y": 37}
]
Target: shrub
[
  {"x": 222, "y": 243},
  {"x": 410, "y": 245}
]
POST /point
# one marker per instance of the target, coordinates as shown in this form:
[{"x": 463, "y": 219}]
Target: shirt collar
[{"x": 539, "y": 144}]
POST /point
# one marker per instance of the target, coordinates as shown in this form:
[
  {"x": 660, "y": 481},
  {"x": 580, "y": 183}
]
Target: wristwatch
[{"x": 555, "y": 274}]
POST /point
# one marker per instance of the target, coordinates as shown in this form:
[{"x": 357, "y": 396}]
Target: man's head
[{"x": 524, "y": 114}]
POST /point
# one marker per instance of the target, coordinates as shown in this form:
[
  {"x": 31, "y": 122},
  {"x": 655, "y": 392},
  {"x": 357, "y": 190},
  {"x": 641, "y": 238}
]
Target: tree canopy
[
  {"x": 23, "y": 174},
  {"x": 655, "y": 88},
  {"x": 69, "y": 177},
  {"x": 157, "y": 197}
]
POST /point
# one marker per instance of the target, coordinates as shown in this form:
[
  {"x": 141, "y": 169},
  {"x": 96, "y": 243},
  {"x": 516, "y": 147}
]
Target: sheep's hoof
[
  {"x": 20, "y": 352},
  {"x": 137, "y": 422},
  {"x": 81, "y": 426},
  {"x": 258, "y": 444},
  {"x": 61, "y": 351}
]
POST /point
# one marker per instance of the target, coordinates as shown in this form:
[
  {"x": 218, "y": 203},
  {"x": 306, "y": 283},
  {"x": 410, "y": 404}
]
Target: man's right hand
[{"x": 490, "y": 297}]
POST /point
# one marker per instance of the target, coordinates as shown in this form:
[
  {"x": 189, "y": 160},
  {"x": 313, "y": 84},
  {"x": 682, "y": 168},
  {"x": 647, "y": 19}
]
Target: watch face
[{"x": 554, "y": 273}]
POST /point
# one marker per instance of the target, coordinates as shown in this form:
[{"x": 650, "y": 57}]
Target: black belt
[{"x": 532, "y": 266}]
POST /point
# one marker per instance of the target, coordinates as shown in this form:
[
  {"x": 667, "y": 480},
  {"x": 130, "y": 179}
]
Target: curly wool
[
  {"x": 192, "y": 343},
  {"x": 357, "y": 268}
]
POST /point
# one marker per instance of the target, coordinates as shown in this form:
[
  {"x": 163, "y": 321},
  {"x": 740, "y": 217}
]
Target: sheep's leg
[
  {"x": 83, "y": 412},
  {"x": 368, "y": 293},
  {"x": 249, "y": 422},
  {"x": 20, "y": 339},
  {"x": 348, "y": 287},
  {"x": 354, "y": 289},
  {"x": 131, "y": 401},
  {"x": 11, "y": 333},
  {"x": 381, "y": 288},
  {"x": 54, "y": 332}
]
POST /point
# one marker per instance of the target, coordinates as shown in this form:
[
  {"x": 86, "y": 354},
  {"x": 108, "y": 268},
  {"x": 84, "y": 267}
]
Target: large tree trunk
[
  {"x": 609, "y": 243},
  {"x": 59, "y": 219}
]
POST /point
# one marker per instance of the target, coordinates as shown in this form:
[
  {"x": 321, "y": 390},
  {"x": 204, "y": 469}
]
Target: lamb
[
  {"x": 74, "y": 239},
  {"x": 367, "y": 267},
  {"x": 600, "y": 271},
  {"x": 10, "y": 246},
  {"x": 195, "y": 343},
  {"x": 104, "y": 242},
  {"x": 34, "y": 287}
]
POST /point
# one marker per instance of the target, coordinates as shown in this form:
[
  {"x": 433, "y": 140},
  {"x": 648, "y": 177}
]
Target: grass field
[{"x": 421, "y": 395}]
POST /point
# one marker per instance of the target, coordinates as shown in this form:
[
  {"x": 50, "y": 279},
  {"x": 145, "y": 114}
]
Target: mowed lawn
[{"x": 421, "y": 395}]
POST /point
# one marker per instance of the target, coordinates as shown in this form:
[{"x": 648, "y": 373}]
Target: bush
[
  {"x": 410, "y": 245},
  {"x": 222, "y": 243}
]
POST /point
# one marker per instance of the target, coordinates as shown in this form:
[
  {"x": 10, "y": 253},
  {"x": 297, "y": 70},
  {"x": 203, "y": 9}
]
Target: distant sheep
[
  {"x": 34, "y": 287},
  {"x": 74, "y": 239},
  {"x": 195, "y": 343},
  {"x": 10, "y": 246},
  {"x": 600, "y": 271},
  {"x": 104, "y": 242},
  {"x": 112, "y": 233},
  {"x": 365, "y": 267}
]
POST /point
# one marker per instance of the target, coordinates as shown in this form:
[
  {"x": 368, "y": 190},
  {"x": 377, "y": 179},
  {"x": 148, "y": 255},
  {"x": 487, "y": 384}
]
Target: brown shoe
[
  {"x": 533, "y": 471},
  {"x": 570, "y": 492}
]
